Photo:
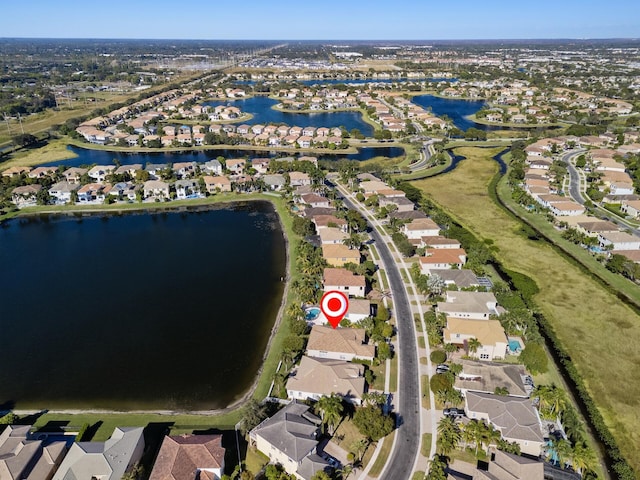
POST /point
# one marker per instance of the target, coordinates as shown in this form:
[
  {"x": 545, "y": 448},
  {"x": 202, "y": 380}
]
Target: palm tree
[
  {"x": 563, "y": 450},
  {"x": 552, "y": 401},
  {"x": 473, "y": 345},
  {"x": 474, "y": 432},
  {"x": 449, "y": 348},
  {"x": 583, "y": 458},
  {"x": 449, "y": 435},
  {"x": 330, "y": 409},
  {"x": 358, "y": 448},
  {"x": 294, "y": 311},
  {"x": 492, "y": 436}
]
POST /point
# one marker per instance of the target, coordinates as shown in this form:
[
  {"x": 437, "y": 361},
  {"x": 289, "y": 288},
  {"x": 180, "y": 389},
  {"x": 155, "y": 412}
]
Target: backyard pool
[
  {"x": 515, "y": 345},
  {"x": 311, "y": 313}
]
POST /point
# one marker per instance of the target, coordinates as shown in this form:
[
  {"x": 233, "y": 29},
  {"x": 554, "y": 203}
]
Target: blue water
[
  {"x": 453, "y": 108},
  {"x": 514, "y": 345},
  {"x": 355, "y": 81},
  {"x": 312, "y": 313},
  {"x": 260, "y": 108},
  {"x": 101, "y": 157}
]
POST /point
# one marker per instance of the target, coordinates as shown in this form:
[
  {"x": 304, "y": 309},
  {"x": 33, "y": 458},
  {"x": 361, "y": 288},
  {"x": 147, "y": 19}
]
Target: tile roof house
[
  {"x": 358, "y": 309},
  {"x": 502, "y": 466},
  {"x": 487, "y": 376},
  {"x": 156, "y": 189},
  {"x": 421, "y": 227},
  {"x": 338, "y": 255},
  {"x": 474, "y": 305},
  {"x": 329, "y": 221},
  {"x": 26, "y": 195},
  {"x": 317, "y": 377},
  {"x": 23, "y": 458},
  {"x": 490, "y": 334},
  {"x": 516, "y": 418},
  {"x": 315, "y": 201},
  {"x": 217, "y": 184},
  {"x": 61, "y": 191},
  {"x": 339, "y": 343},
  {"x": 442, "y": 258},
  {"x": 461, "y": 278},
  {"x": 345, "y": 281},
  {"x": 108, "y": 460},
  {"x": 189, "y": 457},
  {"x": 290, "y": 439},
  {"x": 332, "y": 236}
]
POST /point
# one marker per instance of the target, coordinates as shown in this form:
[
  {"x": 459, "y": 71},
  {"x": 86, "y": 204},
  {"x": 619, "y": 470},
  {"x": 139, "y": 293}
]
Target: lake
[
  {"x": 262, "y": 112},
  {"x": 86, "y": 156},
  {"x": 453, "y": 108},
  {"x": 140, "y": 311}
]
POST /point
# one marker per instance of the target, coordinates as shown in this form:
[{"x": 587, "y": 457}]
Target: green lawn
[
  {"x": 385, "y": 450},
  {"x": 426, "y": 398},
  {"x": 255, "y": 461},
  {"x": 425, "y": 447},
  {"x": 578, "y": 307},
  {"x": 393, "y": 374}
]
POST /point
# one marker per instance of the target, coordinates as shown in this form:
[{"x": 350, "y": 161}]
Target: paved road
[
  {"x": 576, "y": 189},
  {"x": 400, "y": 463}
]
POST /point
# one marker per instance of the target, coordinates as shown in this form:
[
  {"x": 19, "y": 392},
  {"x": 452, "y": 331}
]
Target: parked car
[
  {"x": 442, "y": 368},
  {"x": 453, "y": 412}
]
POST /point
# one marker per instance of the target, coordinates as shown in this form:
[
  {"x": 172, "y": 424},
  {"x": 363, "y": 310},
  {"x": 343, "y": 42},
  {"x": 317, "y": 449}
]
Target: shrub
[
  {"x": 440, "y": 382},
  {"x": 438, "y": 356}
]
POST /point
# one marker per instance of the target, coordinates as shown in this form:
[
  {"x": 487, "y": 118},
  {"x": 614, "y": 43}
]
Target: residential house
[
  {"x": 212, "y": 167},
  {"x": 315, "y": 201},
  {"x": 289, "y": 438},
  {"x": 619, "y": 241},
  {"x": 401, "y": 204},
  {"x": 304, "y": 141},
  {"x": 155, "y": 170},
  {"x": 187, "y": 188},
  {"x": 156, "y": 189},
  {"x": 73, "y": 174},
  {"x": 129, "y": 170},
  {"x": 184, "y": 169},
  {"x": 125, "y": 191},
  {"x": 108, "y": 460},
  {"x": 631, "y": 207},
  {"x": 358, "y": 309},
  {"x": 329, "y": 221},
  {"x": 461, "y": 278},
  {"x": 332, "y": 236},
  {"x": 344, "y": 281},
  {"x": 486, "y": 377},
  {"x": 236, "y": 166},
  {"x": 91, "y": 193},
  {"x": 299, "y": 179},
  {"x": 568, "y": 208},
  {"x": 421, "y": 227},
  {"x": 41, "y": 172},
  {"x": 596, "y": 226},
  {"x": 372, "y": 187},
  {"x": 516, "y": 418},
  {"x": 217, "y": 184},
  {"x": 439, "y": 241},
  {"x": 339, "y": 343},
  {"x": 24, "y": 458},
  {"x": 502, "y": 466},
  {"x": 26, "y": 195},
  {"x": 338, "y": 255},
  {"x": 15, "y": 171},
  {"x": 189, "y": 457},
  {"x": 475, "y": 305},
  {"x": 318, "y": 377},
  {"x": 261, "y": 165},
  {"x": 274, "y": 181},
  {"x": 442, "y": 258},
  {"x": 61, "y": 192},
  {"x": 490, "y": 334}
]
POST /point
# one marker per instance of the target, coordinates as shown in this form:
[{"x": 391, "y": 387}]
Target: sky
[{"x": 322, "y": 19}]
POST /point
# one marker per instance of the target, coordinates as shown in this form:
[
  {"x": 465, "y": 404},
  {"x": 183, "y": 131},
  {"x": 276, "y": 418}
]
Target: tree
[
  {"x": 372, "y": 423},
  {"x": 552, "y": 401},
  {"x": 252, "y": 414},
  {"x": 435, "y": 285},
  {"x": 321, "y": 475},
  {"x": 473, "y": 345},
  {"x": 583, "y": 458},
  {"x": 9, "y": 419},
  {"x": 534, "y": 358},
  {"x": 330, "y": 409},
  {"x": 437, "y": 468},
  {"x": 449, "y": 435}
]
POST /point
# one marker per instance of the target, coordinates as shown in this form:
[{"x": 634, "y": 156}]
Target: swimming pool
[
  {"x": 311, "y": 313},
  {"x": 515, "y": 345}
]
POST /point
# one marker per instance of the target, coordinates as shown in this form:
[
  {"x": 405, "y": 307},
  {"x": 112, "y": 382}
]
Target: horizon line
[{"x": 519, "y": 39}]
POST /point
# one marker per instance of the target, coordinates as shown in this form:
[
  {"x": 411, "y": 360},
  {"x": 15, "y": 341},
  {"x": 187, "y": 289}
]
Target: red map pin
[{"x": 334, "y": 305}]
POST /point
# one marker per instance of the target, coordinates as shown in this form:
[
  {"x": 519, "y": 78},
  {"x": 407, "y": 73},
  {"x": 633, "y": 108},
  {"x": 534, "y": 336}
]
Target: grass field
[
  {"x": 598, "y": 331},
  {"x": 53, "y": 151},
  {"x": 381, "y": 460}
]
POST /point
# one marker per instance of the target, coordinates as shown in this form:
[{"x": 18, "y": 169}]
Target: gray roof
[
  {"x": 487, "y": 376},
  {"x": 463, "y": 278},
  {"x": 413, "y": 214},
  {"x": 275, "y": 179},
  {"x": 292, "y": 431},
  {"x": 24, "y": 458},
  {"x": 108, "y": 460},
  {"x": 312, "y": 464},
  {"x": 63, "y": 187},
  {"x": 515, "y": 417}
]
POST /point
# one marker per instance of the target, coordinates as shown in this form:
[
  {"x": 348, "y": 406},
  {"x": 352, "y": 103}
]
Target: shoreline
[{"x": 242, "y": 398}]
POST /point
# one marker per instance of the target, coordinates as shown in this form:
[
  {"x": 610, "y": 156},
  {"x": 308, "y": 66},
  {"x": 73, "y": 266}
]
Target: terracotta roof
[
  {"x": 181, "y": 457},
  {"x": 324, "y": 377},
  {"x": 339, "y": 251},
  {"x": 325, "y": 220},
  {"x": 488, "y": 332},
  {"x": 422, "y": 224},
  {"x": 443, "y": 255},
  {"x": 342, "y": 277},
  {"x": 342, "y": 340}
]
